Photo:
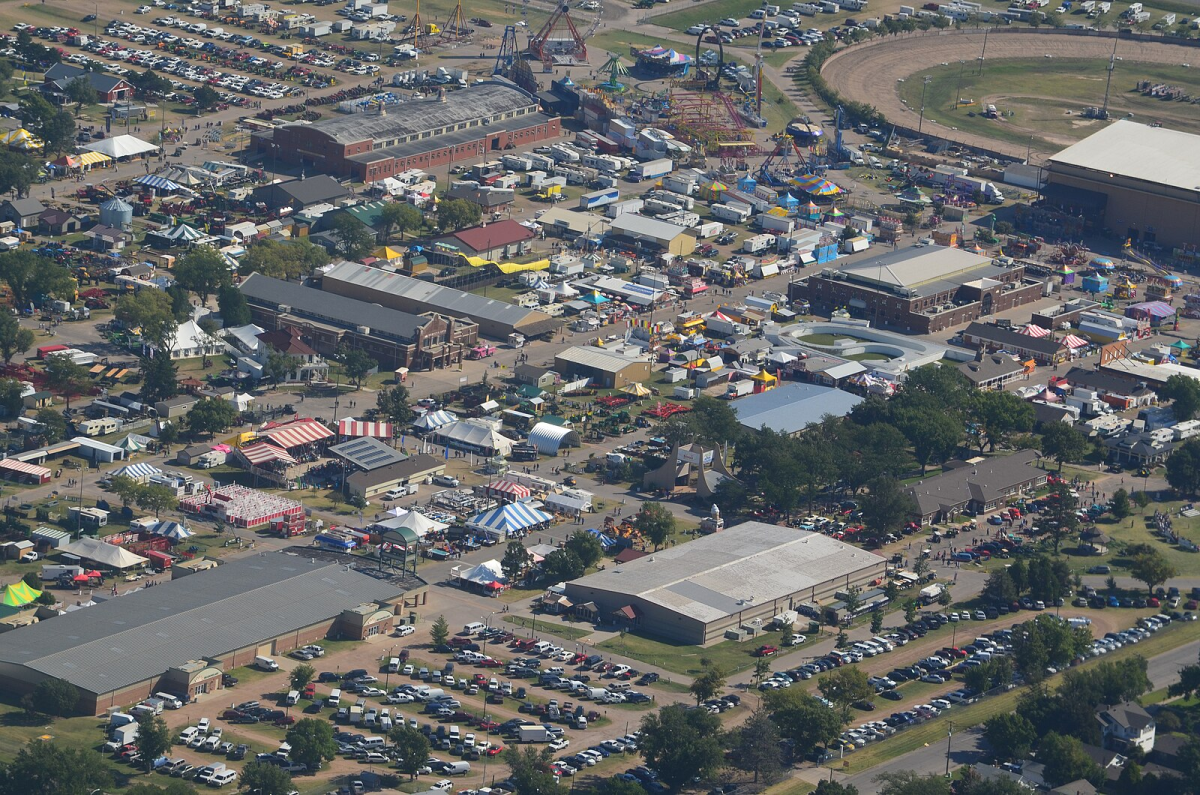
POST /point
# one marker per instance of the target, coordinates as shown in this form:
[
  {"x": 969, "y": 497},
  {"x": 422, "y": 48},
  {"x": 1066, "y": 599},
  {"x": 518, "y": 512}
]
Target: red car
[
  {"x": 488, "y": 725},
  {"x": 488, "y": 663},
  {"x": 495, "y": 750},
  {"x": 1153, "y": 601},
  {"x": 286, "y": 720},
  {"x": 765, "y": 651}
]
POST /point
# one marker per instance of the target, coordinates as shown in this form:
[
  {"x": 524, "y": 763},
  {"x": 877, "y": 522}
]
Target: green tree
[
  {"x": 1120, "y": 505},
  {"x": 1188, "y": 684},
  {"x": 399, "y": 216},
  {"x": 1010, "y": 735},
  {"x": 153, "y": 497},
  {"x": 876, "y": 621},
  {"x": 148, "y": 84},
  {"x": 203, "y": 271},
  {"x": 262, "y": 778},
  {"x": 16, "y": 171},
  {"x": 886, "y": 508},
  {"x": 206, "y": 97},
  {"x": 709, "y": 684},
  {"x": 55, "y": 127},
  {"x": 907, "y": 782},
  {"x": 66, "y": 378},
  {"x": 801, "y": 718},
  {"x": 998, "y": 415},
  {"x": 1066, "y": 760},
  {"x": 160, "y": 378},
  {"x": 827, "y": 787},
  {"x": 1063, "y": 443},
  {"x": 1184, "y": 392},
  {"x": 999, "y": 588},
  {"x": 55, "y": 697},
  {"x": 301, "y": 675},
  {"x": 393, "y": 403},
  {"x": 1061, "y": 514},
  {"x": 617, "y": 786},
  {"x": 530, "y": 771},
  {"x": 211, "y": 416},
  {"x": 151, "y": 312},
  {"x": 14, "y": 340},
  {"x": 126, "y": 489},
  {"x": 153, "y": 740},
  {"x": 1183, "y": 467},
  {"x": 1141, "y": 499},
  {"x": 52, "y": 768},
  {"x": 762, "y": 669},
  {"x": 439, "y": 633},
  {"x": 910, "y": 611},
  {"x": 32, "y": 278},
  {"x": 1150, "y": 567},
  {"x": 80, "y": 92},
  {"x": 168, "y": 435},
  {"x": 312, "y": 742},
  {"x": 682, "y": 745},
  {"x": 713, "y": 421},
  {"x": 277, "y": 367},
  {"x": 355, "y": 239},
  {"x": 283, "y": 260},
  {"x": 586, "y": 546},
  {"x": 412, "y": 747},
  {"x": 655, "y": 522},
  {"x": 232, "y": 306},
  {"x": 844, "y": 686},
  {"x": 516, "y": 561},
  {"x": 357, "y": 363},
  {"x": 755, "y": 748},
  {"x": 456, "y": 214},
  {"x": 53, "y": 425},
  {"x": 562, "y": 565}
]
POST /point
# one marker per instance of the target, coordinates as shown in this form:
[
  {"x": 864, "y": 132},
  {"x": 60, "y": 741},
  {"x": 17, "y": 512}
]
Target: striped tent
[
  {"x": 355, "y": 428},
  {"x": 509, "y": 520},
  {"x": 265, "y": 453},
  {"x": 1073, "y": 342},
  {"x": 130, "y": 444},
  {"x": 298, "y": 432},
  {"x": 1035, "y": 331},
  {"x": 184, "y": 233},
  {"x": 172, "y": 530},
  {"x": 508, "y": 489},
  {"x": 139, "y": 472},
  {"x": 434, "y": 420},
  {"x": 19, "y": 594},
  {"x": 158, "y": 183}
]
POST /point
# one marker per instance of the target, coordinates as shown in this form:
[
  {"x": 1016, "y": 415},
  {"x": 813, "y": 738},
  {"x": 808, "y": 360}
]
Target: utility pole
[
  {"x": 983, "y": 52},
  {"x": 958, "y": 94},
  {"x": 924, "y": 86},
  {"x": 949, "y": 735},
  {"x": 1112, "y": 65}
]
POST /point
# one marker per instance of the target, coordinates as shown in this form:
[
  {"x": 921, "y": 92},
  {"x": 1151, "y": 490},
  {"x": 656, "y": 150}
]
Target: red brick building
[{"x": 455, "y": 126}]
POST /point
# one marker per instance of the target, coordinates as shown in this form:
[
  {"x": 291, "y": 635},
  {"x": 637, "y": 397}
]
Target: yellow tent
[
  {"x": 637, "y": 390},
  {"x": 388, "y": 253},
  {"x": 763, "y": 377},
  {"x": 19, "y": 593},
  {"x": 21, "y": 138}
]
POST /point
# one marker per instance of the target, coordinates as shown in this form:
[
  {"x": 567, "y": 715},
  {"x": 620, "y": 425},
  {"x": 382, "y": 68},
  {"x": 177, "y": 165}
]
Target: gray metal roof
[
  {"x": 793, "y": 407},
  {"x": 641, "y": 227},
  {"x": 922, "y": 268},
  {"x": 985, "y": 481},
  {"x": 367, "y": 453},
  {"x": 744, "y": 566},
  {"x": 594, "y": 358},
  {"x": 338, "y": 310},
  {"x": 449, "y": 139},
  {"x": 492, "y": 98},
  {"x": 437, "y": 298},
  {"x": 132, "y": 638}
]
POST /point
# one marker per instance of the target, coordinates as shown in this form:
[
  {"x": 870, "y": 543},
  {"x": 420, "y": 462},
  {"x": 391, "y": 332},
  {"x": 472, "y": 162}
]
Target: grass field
[
  {"x": 1039, "y": 107},
  {"x": 730, "y": 656},
  {"x": 551, "y": 627},
  {"x": 1137, "y": 529}
]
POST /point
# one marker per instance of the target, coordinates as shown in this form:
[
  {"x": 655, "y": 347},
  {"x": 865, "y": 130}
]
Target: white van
[
  {"x": 169, "y": 701},
  {"x": 394, "y": 665},
  {"x": 457, "y": 768},
  {"x": 266, "y": 663},
  {"x": 223, "y": 778},
  {"x": 292, "y": 697},
  {"x": 335, "y": 698},
  {"x": 371, "y": 743},
  {"x": 619, "y": 687},
  {"x": 473, "y": 628}
]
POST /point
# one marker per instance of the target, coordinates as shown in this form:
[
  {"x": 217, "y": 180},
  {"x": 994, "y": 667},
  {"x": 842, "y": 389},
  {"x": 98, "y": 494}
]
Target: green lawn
[
  {"x": 730, "y": 655},
  {"x": 791, "y": 787},
  {"x": 1138, "y": 529},
  {"x": 709, "y": 12},
  {"x": 549, "y": 626}
]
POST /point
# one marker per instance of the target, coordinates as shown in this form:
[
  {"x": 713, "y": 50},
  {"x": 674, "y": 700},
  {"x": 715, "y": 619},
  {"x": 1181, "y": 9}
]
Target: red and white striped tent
[
  {"x": 21, "y": 469},
  {"x": 353, "y": 429},
  {"x": 1073, "y": 342},
  {"x": 262, "y": 453},
  {"x": 297, "y": 433},
  {"x": 509, "y": 490},
  {"x": 1035, "y": 331}
]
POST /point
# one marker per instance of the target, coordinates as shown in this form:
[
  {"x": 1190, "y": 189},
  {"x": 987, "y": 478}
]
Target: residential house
[
  {"x": 109, "y": 87},
  {"x": 22, "y": 212},
  {"x": 1125, "y": 726},
  {"x": 107, "y": 238},
  {"x": 307, "y": 364},
  {"x": 59, "y": 222}
]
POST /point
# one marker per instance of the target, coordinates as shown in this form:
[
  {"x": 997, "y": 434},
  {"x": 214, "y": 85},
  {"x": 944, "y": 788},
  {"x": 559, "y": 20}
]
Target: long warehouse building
[
  {"x": 496, "y": 319},
  {"x": 694, "y": 592},
  {"x": 180, "y": 637}
]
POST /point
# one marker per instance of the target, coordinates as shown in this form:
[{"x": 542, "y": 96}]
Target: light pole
[
  {"x": 949, "y": 735},
  {"x": 924, "y": 86},
  {"x": 962, "y": 65}
]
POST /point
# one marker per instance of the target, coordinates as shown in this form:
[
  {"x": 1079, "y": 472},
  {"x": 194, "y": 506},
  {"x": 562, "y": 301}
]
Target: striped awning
[
  {"x": 1151, "y": 309},
  {"x": 92, "y": 158},
  {"x": 157, "y": 182},
  {"x": 265, "y": 453},
  {"x": 508, "y": 487},
  {"x": 297, "y": 433},
  {"x": 1073, "y": 342},
  {"x": 138, "y": 472},
  {"x": 356, "y": 428},
  {"x": 24, "y": 468},
  {"x": 1035, "y": 331}
]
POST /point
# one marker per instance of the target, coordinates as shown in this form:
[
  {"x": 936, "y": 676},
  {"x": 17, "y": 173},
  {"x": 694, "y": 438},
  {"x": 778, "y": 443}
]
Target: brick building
[
  {"x": 919, "y": 289},
  {"x": 456, "y": 126}
]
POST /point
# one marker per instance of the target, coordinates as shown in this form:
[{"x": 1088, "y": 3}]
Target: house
[
  {"x": 58, "y": 222},
  {"x": 107, "y": 238},
  {"x": 300, "y": 193},
  {"x": 993, "y": 371},
  {"x": 980, "y": 487},
  {"x": 108, "y": 87},
  {"x": 490, "y": 241},
  {"x": 307, "y": 364},
  {"x": 532, "y": 375},
  {"x": 1126, "y": 725},
  {"x": 1080, "y": 787},
  {"x": 1149, "y": 447},
  {"x": 22, "y": 212}
]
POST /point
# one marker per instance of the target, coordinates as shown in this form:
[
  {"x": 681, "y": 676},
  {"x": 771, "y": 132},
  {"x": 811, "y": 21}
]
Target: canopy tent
[
  {"x": 1035, "y": 331},
  {"x": 763, "y": 377},
  {"x": 433, "y": 420},
  {"x": 485, "y": 573},
  {"x": 120, "y": 146},
  {"x": 242, "y": 402},
  {"x": 594, "y": 297},
  {"x": 1152, "y": 309},
  {"x": 298, "y": 432},
  {"x": 508, "y": 488},
  {"x": 509, "y": 520},
  {"x": 1073, "y": 342},
  {"x": 781, "y": 357},
  {"x": 1048, "y": 397},
  {"x": 264, "y": 453},
  {"x": 1102, "y": 264},
  {"x": 637, "y": 390},
  {"x": 158, "y": 183},
  {"x": 605, "y": 541},
  {"x": 130, "y": 444},
  {"x": 172, "y": 530},
  {"x": 185, "y": 175},
  {"x": 183, "y": 233},
  {"x": 1180, "y": 345},
  {"x": 419, "y": 523},
  {"x": 478, "y": 436},
  {"x": 19, "y": 593},
  {"x": 104, "y": 553},
  {"x": 549, "y": 438},
  {"x": 355, "y": 428},
  {"x": 22, "y": 139},
  {"x": 93, "y": 159},
  {"x": 816, "y": 186},
  {"x": 140, "y": 472},
  {"x": 914, "y": 195},
  {"x": 661, "y": 54}
]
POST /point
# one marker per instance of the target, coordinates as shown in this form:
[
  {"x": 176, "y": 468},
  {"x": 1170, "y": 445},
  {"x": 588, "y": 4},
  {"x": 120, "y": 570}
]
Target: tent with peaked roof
[
  {"x": 120, "y": 146},
  {"x": 419, "y": 523},
  {"x": 485, "y": 573},
  {"x": 19, "y": 593},
  {"x": 104, "y": 553},
  {"x": 172, "y": 530},
  {"x": 509, "y": 520},
  {"x": 130, "y": 445},
  {"x": 637, "y": 390}
]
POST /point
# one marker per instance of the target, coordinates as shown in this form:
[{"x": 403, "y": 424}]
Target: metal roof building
[
  {"x": 695, "y": 592},
  {"x": 793, "y": 407},
  {"x": 607, "y": 370},
  {"x": 123, "y": 648},
  {"x": 496, "y": 319},
  {"x": 367, "y": 453},
  {"x": 653, "y": 233}
]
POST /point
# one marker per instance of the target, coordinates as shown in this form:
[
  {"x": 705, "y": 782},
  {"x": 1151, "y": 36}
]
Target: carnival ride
[{"x": 559, "y": 42}]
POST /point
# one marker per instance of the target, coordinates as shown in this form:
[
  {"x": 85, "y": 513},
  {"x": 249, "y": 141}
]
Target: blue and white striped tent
[
  {"x": 433, "y": 420},
  {"x": 509, "y": 520},
  {"x": 172, "y": 530},
  {"x": 158, "y": 183},
  {"x": 139, "y": 472}
]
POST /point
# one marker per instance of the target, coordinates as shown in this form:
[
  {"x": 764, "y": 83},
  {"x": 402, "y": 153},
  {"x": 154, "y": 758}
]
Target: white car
[
  {"x": 447, "y": 480},
  {"x": 203, "y": 725},
  {"x": 445, "y": 785},
  {"x": 371, "y": 691},
  {"x": 315, "y": 651},
  {"x": 559, "y": 745},
  {"x": 797, "y": 640},
  {"x": 405, "y": 630}
]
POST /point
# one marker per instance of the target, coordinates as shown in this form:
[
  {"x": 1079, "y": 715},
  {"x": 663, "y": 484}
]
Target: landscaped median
[
  {"x": 1173, "y": 635},
  {"x": 556, "y": 628}
]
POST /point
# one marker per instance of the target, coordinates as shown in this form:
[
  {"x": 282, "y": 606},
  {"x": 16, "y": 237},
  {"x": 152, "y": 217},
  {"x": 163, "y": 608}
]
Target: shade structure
[
  {"x": 140, "y": 472},
  {"x": 487, "y": 573},
  {"x": 637, "y": 390},
  {"x": 509, "y": 520},
  {"x": 419, "y": 523},
  {"x": 1155, "y": 309},
  {"x": 508, "y": 488},
  {"x": 298, "y": 432},
  {"x": 815, "y": 185},
  {"x": 22, "y": 139},
  {"x": 356, "y": 428},
  {"x": 158, "y": 183},
  {"x": 433, "y": 420},
  {"x": 104, "y": 553},
  {"x": 121, "y": 146},
  {"x": 24, "y": 468},
  {"x": 594, "y": 298},
  {"x": 172, "y": 530},
  {"x": 605, "y": 541},
  {"x": 264, "y": 453},
  {"x": 19, "y": 593},
  {"x": 1037, "y": 332},
  {"x": 183, "y": 233},
  {"x": 131, "y": 445},
  {"x": 93, "y": 159},
  {"x": 1180, "y": 345},
  {"x": 1073, "y": 342},
  {"x": 549, "y": 438}
]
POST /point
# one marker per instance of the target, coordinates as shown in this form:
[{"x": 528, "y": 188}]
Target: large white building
[{"x": 694, "y": 592}]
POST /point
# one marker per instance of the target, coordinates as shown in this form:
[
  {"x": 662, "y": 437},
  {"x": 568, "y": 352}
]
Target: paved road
[
  {"x": 1163, "y": 670},
  {"x": 966, "y": 748}
]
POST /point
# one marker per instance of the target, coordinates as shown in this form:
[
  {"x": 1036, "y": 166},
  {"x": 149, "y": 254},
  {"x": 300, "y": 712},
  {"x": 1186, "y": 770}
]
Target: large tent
[
  {"x": 172, "y": 530},
  {"x": 509, "y": 520},
  {"x": 140, "y": 472},
  {"x": 21, "y": 139},
  {"x": 158, "y": 183},
  {"x": 120, "y": 146},
  {"x": 475, "y": 435},
  {"x": 433, "y": 420},
  {"x": 104, "y": 553},
  {"x": 485, "y": 573},
  {"x": 419, "y": 523},
  {"x": 549, "y": 438},
  {"x": 19, "y": 593}
]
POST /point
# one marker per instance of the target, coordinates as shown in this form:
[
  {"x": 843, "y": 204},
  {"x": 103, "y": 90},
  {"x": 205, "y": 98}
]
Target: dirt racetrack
[{"x": 869, "y": 72}]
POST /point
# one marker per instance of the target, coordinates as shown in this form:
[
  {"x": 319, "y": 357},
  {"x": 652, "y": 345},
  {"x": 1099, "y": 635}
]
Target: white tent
[
  {"x": 192, "y": 341},
  {"x": 475, "y": 435},
  {"x": 241, "y": 402},
  {"x": 104, "y": 553},
  {"x": 487, "y": 572},
  {"x": 172, "y": 530},
  {"x": 121, "y": 146},
  {"x": 431, "y": 421},
  {"x": 419, "y": 523}
]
